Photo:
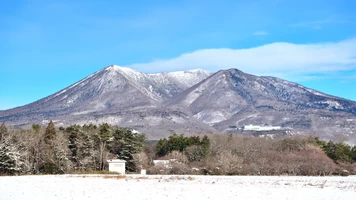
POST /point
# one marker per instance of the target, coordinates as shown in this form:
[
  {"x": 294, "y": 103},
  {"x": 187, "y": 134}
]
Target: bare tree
[{"x": 141, "y": 160}]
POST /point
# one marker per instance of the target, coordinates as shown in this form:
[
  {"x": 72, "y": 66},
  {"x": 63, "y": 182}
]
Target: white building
[
  {"x": 117, "y": 165},
  {"x": 260, "y": 128}
]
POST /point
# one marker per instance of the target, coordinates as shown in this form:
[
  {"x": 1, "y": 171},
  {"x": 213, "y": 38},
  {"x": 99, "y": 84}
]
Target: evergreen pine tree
[
  {"x": 50, "y": 133},
  {"x": 82, "y": 146},
  {"x": 162, "y": 147},
  {"x": 104, "y": 136},
  {"x": 36, "y": 128},
  {"x": 205, "y": 144},
  {"x": 10, "y": 162},
  {"x": 125, "y": 144},
  {"x": 49, "y": 166},
  {"x": 3, "y": 130}
]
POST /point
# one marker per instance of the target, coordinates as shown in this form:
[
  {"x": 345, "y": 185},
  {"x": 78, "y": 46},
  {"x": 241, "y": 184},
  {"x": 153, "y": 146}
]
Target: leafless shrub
[
  {"x": 180, "y": 168},
  {"x": 194, "y": 153},
  {"x": 296, "y": 143},
  {"x": 226, "y": 162},
  {"x": 158, "y": 170},
  {"x": 141, "y": 160},
  {"x": 177, "y": 156},
  {"x": 315, "y": 163},
  {"x": 349, "y": 167}
]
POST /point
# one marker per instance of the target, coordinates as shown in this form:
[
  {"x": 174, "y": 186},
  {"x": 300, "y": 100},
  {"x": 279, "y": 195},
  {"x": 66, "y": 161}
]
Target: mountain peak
[
  {"x": 128, "y": 70},
  {"x": 190, "y": 101},
  {"x": 118, "y": 68},
  {"x": 233, "y": 71}
]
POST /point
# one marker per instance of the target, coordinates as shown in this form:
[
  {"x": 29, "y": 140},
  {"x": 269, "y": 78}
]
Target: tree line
[
  {"x": 339, "y": 152},
  {"x": 195, "y": 148},
  {"x": 85, "y": 148},
  {"x": 245, "y": 155},
  {"x": 64, "y": 150}
]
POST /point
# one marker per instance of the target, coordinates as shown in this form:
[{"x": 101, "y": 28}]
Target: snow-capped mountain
[
  {"x": 193, "y": 101},
  {"x": 116, "y": 95},
  {"x": 233, "y": 98}
]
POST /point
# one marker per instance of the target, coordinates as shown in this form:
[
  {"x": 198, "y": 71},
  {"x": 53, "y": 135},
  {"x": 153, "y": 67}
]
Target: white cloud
[
  {"x": 257, "y": 33},
  {"x": 285, "y": 60}
]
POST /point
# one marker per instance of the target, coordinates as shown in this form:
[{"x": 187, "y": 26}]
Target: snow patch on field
[{"x": 176, "y": 187}]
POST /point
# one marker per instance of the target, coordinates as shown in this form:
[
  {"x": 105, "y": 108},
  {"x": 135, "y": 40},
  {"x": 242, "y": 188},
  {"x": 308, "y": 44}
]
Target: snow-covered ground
[{"x": 176, "y": 187}]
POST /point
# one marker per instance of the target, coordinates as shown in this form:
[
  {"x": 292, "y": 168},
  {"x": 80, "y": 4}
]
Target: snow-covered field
[{"x": 176, "y": 187}]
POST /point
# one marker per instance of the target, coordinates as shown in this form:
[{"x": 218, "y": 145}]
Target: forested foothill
[{"x": 85, "y": 149}]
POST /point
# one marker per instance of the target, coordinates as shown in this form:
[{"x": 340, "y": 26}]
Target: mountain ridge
[{"x": 192, "y": 101}]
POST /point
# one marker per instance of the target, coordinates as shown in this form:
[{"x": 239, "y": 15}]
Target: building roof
[{"x": 116, "y": 161}]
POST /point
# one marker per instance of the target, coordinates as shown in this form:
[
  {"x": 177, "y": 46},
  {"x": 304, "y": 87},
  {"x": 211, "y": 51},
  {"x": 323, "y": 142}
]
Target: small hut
[{"x": 117, "y": 165}]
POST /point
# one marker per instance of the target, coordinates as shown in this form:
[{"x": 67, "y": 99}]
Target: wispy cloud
[
  {"x": 285, "y": 60},
  {"x": 318, "y": 24},
  {"x": 258, "y": 33}
]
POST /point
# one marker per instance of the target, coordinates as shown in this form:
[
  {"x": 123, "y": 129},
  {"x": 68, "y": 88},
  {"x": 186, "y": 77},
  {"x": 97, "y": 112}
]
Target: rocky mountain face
[{"x": 193, "y": 101}]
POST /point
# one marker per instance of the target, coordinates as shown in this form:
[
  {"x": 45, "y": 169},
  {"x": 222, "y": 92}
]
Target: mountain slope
[
  {"x": 95, "y": 93},
  {"x": 164, "y": 85},
  {"x": 231, "y": 98},
  {"x": 116, "y": 95},
  {"x": 193, "y": 101}
]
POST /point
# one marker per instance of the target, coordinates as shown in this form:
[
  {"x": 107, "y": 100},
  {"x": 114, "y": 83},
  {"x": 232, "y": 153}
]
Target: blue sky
[{"x": 46, "y": 46}]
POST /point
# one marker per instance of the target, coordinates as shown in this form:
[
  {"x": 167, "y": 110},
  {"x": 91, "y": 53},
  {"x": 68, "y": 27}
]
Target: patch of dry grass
[
  {"x": 93, "y": 172},
  {"x": 114, "y": 177}
]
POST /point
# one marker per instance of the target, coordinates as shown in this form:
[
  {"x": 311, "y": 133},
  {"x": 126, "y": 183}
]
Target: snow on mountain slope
[
  {"x": 165, "y": 84},
  {"x": 230, "y": 97},
  {"x": 185, "y": 78},
  {"x": 116, "y": 95},
  {"x": 193, "y": 101},
  {"x": 104, "y": 89},
  {"x": 212, "y": 100}
]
